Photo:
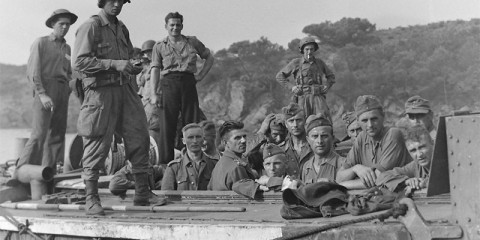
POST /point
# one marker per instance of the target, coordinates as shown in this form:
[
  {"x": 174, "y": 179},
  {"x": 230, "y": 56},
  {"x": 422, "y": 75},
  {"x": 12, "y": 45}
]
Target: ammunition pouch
[
  {"x": 314, "y": 89},
  {"x": 106, "y": 79}
]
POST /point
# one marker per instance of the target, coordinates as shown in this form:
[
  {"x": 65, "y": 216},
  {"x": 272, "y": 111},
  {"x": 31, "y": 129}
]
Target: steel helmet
[
  {"x": 305, "y": 41},
  {"x": 148, "y": 45},
  {"x": 101, "y": 3}
]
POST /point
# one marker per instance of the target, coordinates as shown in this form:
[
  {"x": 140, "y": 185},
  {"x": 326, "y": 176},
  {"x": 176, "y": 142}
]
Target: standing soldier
[
  {"x": 144, "y": 76},
  {"x": 174, "y": 63},
  {"x": 102, "y": 55},
  {"x": 312, "y": 79},
  {"x": 49, "y": 69}
]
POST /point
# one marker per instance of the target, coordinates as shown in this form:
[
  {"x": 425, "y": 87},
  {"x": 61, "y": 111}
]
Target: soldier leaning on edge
[{"x": 102, "y": 55}]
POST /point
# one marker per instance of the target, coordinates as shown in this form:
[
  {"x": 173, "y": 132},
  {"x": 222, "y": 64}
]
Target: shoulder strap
[{"x": 96, "y": 36}]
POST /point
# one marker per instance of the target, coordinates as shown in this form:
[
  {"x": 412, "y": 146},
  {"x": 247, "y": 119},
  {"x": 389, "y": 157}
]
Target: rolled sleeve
[
  {"x": 83, "y": 58},
  {"x": 284, "y": 73},
  {"x": 156, "y": 57}
]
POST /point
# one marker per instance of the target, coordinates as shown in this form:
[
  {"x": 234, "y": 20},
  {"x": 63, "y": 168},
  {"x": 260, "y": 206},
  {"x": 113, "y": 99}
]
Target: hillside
[{"x": 439, "y": 61}]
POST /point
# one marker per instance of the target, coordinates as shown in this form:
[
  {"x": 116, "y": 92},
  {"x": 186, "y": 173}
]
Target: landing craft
[{"x": 449, "y": 209}]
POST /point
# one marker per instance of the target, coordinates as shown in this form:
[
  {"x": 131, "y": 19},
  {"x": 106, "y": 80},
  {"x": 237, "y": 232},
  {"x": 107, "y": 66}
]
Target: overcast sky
[{"x": 219, "y": 23}]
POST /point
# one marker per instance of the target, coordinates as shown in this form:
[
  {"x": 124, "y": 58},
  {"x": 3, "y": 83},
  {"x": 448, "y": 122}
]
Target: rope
[
  {"x": 22, "y": 228},
  {"x": 396, "y": 211}
]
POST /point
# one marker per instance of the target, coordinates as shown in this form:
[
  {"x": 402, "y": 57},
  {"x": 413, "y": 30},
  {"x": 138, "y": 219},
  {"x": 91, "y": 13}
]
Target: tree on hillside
[{"x": 348, "y": 30}]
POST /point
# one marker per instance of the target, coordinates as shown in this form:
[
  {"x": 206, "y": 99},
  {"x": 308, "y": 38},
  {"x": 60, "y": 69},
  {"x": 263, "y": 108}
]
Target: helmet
[
  {"x": 147, "y": 45},
  {"x": 305, "y": 41},
  {"x": 101, "y": 3}
]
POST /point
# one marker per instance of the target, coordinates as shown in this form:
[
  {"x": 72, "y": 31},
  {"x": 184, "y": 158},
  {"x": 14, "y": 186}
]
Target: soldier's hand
[
  {"x": 323, "y": 89},
  {"x": 366, "y": 174},
  {"x": 263, "y": 188},
  {"x": 123, "y": 66},
  {"x": 46, "y": 101},
  {"x": 263, "y": 180},
  {"x": 413, "y": 183},
  {"x": 297, "y": 90},
  {"x": 266, "y": 123}
]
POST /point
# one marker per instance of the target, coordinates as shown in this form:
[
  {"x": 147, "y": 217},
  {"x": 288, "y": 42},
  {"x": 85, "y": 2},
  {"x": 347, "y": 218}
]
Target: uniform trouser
[
  {"x": 107, "y": 110},
  {"x": 314, "y": 104},
  {"x": 46, "y": 146},
  {"x": 179, "y": 95}
]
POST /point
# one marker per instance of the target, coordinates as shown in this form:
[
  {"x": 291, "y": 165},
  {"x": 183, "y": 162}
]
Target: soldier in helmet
[
  {"x": 311, "y": 79},
  {"x": 144, "y": 76},
  {"x": 102, "y": 54},
  {"x": 50, "y": 71}
]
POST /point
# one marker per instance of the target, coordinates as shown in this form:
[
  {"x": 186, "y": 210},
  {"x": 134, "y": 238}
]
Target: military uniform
[
  {"x": 111, "y": 103},
  {"x": 328, "y": 168},
  {"x": 178, "y": 89},
  {"x": 229, "y": 170},
  {"x": 309, "y": 76},
  {"x": 296, "y": 161},
  {"x": 183, "y": 174},
  {"x": 123, "y": 179},
  {"x": 50, "y": 71},
  {"x": 383, "y": 155}
]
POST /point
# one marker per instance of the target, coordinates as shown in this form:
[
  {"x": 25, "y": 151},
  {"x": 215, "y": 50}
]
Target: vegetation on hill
[{"x": 438, "y": 61}]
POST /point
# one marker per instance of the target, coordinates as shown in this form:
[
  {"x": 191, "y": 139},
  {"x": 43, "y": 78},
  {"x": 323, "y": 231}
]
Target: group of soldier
[{"x": 292, "y": 148}]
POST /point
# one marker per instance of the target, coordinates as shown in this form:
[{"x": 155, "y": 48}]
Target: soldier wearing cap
[
  {"x": 49, "y": 70},
  {"x": 102, "y": 54},
  {"x": 352, "y": 129},
  {"x": 325, "y": 162},
  {"x": 274, "y": 176},
  {"x": 377, "y": 148},
  {"x": 311, "y": 79},
  {"x": 144, "y": 76},
  {"x": 419, "y": 112},
  {"x": 296, "y": 145},
  {"x": 173, "y": 81},
  {"x": 272, "y": 130},
  {"x": 194, "y": 169},
  {"x": 233, "y": 166}
]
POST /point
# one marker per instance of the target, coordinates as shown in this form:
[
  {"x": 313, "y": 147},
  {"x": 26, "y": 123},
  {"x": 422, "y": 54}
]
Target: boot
[
  {"x": 143, "y": 195},
  {"x": 93, "y": 205}
]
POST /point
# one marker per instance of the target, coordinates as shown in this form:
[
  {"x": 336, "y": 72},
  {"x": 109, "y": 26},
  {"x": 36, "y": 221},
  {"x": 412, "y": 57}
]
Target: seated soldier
[
  {"x": 274, "y": 176},
  {"x": 232, "y": 166},
  {"x": 210, "y": 140},
  {"x": 419, "y": 112},
  {"x": 123, "y": 179},
  {"x": 323, "y": 165},
  {"x": 194, "y": 169},
  {"x": 377, "y": 148},
  {"x": 272, "y": 130},
  {"x": 353, "y": 129},
  {"x": 420, "y": 146},
  {"x": 296, "y": 145}
]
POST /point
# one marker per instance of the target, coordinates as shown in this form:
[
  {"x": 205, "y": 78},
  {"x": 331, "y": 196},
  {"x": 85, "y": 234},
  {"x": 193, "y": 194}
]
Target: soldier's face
[
  {"x": 296, "y": 124},
  {"x": 421, "y": 151},
  {"x": 321, "y": 140},
  {"x": 193, "y": 139},
  {"x": 275, "y": 165},
  {"x": 276, "y": 136},
  {"x": 371, "y": 122},
  {"x": 308, "y": 51},
  {"x": 61, "y": 27},
  {"x": 113, "y": 7},
  {"x": 353, "y": 130},
  {"x": 208, "y": 143},
  {"x": 423, "y": 119},
  {"x": 174, "y": 27},
  {"x": 237, "y": 141}
]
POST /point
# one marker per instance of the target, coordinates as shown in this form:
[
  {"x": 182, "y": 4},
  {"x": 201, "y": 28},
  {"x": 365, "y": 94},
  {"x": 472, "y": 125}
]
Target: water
[{"x": 8, "y": 142}]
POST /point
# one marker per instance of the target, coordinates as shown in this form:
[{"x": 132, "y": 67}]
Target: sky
[{"x": 219, "y": 23}]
